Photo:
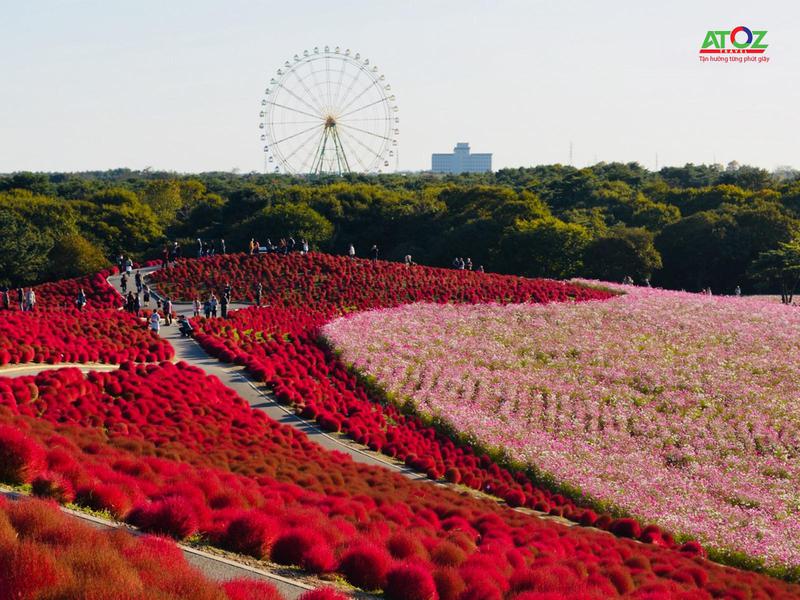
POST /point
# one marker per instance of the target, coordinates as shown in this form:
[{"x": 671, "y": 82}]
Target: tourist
[
  {"x": 165, "y": 257},
  {"x": 222, "y": 246},
  {"x": 123, "y": 283},
  {"x": 469, "y": 264},
  {"x": 213, "y": 302},
  {"x": 480, "y": 269},
  {"x": 128, "y": 265},
  {"x": 737, "y": 291},
  {"x": 211, "y": 250},
  {"x": 129, "y": 302},
  {"x": 80, "y": 301},
  {"x": 30, "y": 301},
  {"x": 292, "y": 244},
  {"x": 6, "y": 299},
  {"x": 199, "y": 248},
  {"x": 253, "y": 246},
  {"x": 21, "y": 298},
  {"x": 184, "y": 326},
  {"x": 196, "y": 307},
  {"x": 374, "y": 251},
  {"x": 304, "y": 246},
  {"x": 223, "y": 303},
  {"x": 146, "y": 296},
  {"x": 207, "y": 308},
  {"x": 155, "y": 322},
  {"x": 167, "y": 311},
  {"x": 259, "y": 293},
  {"x": 138, "y": 279},
  {"x": 351, "y": 251}
]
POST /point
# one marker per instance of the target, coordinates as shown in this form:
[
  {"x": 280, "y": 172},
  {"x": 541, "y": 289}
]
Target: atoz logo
[{"x": 740, "y": 40}]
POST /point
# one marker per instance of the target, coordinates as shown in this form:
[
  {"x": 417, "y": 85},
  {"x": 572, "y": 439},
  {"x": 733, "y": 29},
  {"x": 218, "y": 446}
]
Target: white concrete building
[{"x": 461, "y": 161}]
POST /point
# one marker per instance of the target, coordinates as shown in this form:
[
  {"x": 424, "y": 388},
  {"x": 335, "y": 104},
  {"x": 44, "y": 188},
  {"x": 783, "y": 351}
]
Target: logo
[{"x": 737, "y": 41}]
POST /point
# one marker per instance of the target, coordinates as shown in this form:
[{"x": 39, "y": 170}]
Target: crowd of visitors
[{"x": 284, "y": 246}]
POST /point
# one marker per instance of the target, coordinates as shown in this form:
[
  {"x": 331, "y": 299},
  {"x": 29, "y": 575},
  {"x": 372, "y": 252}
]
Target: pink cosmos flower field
[{"x": 676, "y": 408}]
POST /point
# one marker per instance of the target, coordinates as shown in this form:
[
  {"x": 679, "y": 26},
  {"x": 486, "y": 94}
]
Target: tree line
[{"x": 687, "y": 227}]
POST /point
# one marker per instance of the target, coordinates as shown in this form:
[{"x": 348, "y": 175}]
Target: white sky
[{"x": 176, "y": 84}]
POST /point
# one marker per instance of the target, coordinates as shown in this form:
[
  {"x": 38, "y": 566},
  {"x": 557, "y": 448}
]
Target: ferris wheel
[{"x": 329, "y": 111}]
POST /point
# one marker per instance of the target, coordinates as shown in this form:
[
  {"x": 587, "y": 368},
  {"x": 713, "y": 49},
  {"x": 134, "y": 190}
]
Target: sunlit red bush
[
  {"x": 70, "y": 336},
  {"x": 46, "y": 554}
]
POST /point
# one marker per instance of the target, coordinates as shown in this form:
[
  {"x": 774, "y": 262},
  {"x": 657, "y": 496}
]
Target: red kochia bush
[
  {"x": 106, "y": 335},
  {"x": 629, "y": 528},
  {"x": 21, "y": 459},
  {"x": 410, "y": 581},
  {"x": 173, "y": 516},
  {"x": 54, "y": 486},
  {"x": 293, "y": 547},
  {"x": 46, "y": 554},
  {"x": 247, "y": 589},
  {"x": 251, "y": 533},
  {"x": 365, "y": 566},
  {"x": 324, "y": 593}
]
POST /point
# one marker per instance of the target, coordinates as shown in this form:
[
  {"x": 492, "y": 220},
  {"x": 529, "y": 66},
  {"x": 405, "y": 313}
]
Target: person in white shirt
[{"x": 155, "y": 321}]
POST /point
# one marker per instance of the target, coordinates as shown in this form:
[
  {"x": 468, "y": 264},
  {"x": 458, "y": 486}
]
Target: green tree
[
  {"x": 163, "y": 196},
  {"x": 73, "y": 256},
  {"x": 545, "y": 247},
  {"x": 779, "y": 267},
  {"x": 298, "y": 220},
  {"x": 623, "y": 251},
  {"x": 23, "y": 250}
]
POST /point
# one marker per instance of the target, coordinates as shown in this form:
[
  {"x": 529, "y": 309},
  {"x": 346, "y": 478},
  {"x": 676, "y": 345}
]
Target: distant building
[{"x": 461, "y": 161}]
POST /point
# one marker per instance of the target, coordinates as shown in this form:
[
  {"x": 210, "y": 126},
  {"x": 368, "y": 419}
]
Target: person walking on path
[
  {"x": 351, "y": 251},
  {"x": 80, "y": 301},
  {"x": 207, "y": 308},
  {"x": 213, "y": 302},
  {"x": 259, "y": 293},
  {"x": 138, "y": 279},
  {"x": 123, "y": 283},
  {"x": 146, "y": 296},
  {"x": 304, "y": 246},
  {"x": 128, "y": 265},
  {"x": 165, "y": 257},
  {"x": 155, "y": 322},
  {"x": 129, "y": 302},
  {"x": 224, "y": 306},
  {"x": 468, "y": 264},
  {"x": 374, "y": 251},
  {"x": 6, "y": 299},
  {"x": 30, "y": 301},
  {"x": 167, "y": 311},
  {"x": 196, "y": 307},
  {"x": 222, "y": 246},
  {"x": 21, "y": 298},
  {"x": 199, "y": 248},
  {"x": 137, "y": 305}
]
